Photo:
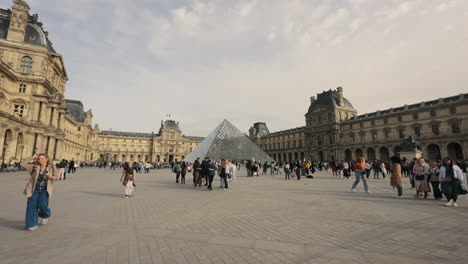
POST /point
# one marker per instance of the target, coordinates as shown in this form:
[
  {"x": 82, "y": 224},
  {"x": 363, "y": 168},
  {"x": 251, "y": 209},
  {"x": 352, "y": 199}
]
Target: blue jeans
[
  {"x": 38, "y": 206},
  {"x": 360, "y": 176}
]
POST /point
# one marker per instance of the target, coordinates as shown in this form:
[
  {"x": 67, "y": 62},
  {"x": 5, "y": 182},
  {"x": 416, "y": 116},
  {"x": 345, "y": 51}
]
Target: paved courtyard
[{"x": 260, "y": 220}]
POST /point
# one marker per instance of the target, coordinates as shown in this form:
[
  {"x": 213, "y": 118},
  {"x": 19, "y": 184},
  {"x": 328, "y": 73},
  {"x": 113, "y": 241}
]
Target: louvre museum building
[
  {"x": 334, "y": 131},
  {"x": 35, "y": 117}
]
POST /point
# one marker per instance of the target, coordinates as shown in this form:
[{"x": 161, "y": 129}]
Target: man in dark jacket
[
  {"x": 197, "y": 171},
  {"x": 204, "y": 166},
  {"x": 211, "y": 173}
]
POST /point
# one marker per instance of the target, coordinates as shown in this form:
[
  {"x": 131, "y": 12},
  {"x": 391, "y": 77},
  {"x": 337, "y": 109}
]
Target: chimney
[
  {"x": 312, "y": 99},
  {"x": 19, "y": 21},
  {"x": 339, "y": 91}
]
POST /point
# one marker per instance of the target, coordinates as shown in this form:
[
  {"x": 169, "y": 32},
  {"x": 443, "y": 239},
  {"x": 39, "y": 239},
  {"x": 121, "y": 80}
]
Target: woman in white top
[{"x": 450, "y": 178}]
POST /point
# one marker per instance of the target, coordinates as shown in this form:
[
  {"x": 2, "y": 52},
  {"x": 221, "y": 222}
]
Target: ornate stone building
[
  {"x": 34, "y": 115},
  {"x": 169, "y": 144},
  {"x": 334, "y": 131}
]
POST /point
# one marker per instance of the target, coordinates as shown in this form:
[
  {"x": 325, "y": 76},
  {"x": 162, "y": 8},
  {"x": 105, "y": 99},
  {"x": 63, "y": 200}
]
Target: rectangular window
[
  {"x": 18, "y": 110},
  {"x": 455, "y": 128},
  {"x": 435, "y": 130},
  {"x": 22, "y": 88},
  {"x": 385, "y": 120},
  {"x": 417, "y": 131},
  {"x": 387, "y": 134},
  {"x": 401, "y": 132}
]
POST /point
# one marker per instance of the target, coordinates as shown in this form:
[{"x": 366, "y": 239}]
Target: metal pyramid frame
[{"x": 228, "y": 142}]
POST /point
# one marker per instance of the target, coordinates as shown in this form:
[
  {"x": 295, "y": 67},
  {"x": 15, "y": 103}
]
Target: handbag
[
  {"x": 462, "y": 189},
  {"x": 419, "y": 177}
]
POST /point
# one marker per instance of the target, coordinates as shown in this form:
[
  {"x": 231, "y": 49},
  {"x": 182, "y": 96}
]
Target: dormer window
[{"x": 26, "y": 65}]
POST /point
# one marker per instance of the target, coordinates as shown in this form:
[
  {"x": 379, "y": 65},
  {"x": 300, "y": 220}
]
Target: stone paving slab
[{"x": 260, "y": 220}]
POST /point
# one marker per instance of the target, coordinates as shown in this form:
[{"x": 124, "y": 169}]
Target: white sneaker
[
  {"x": 368, "y": 192},
  {"x": 44, "y": 221},
  {"x": 32, "y": 228},
  {"x": 448, "y": 204},
  {"x": 400, "y": 197},
  {"x": 353, "y": 190},
  {"x": 126, "y": 196},
  {"x": 455, "y": 204}
]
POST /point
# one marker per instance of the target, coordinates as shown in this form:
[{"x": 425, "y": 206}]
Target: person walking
[
  {"x": 383, "y": 169},
  {"x": 39, "y": 190},
  {"x": 368, "y": 169},
  {"x": 211, "y": 173},
  {"x": 197, "y": 173},
  {"x": 421, "y": 173},
  {"x": 451, "y": 176},
  {"x": 177, "y": 171},
  {"x": 61, "y": 169},
  {"x": 183, "y": 172},
  {"x": 360, "y": 169},
  {"x": 395, "y": 178},
  {"x": 376, "y": 168},
  {"x": 434, "y": 173},
  {"x": 298, "y": 168},
  {"x": 223, "y": 175},
  {"x": 287, "y": 171},
  {"x": 71, "y": 167},
  {"x": 128, "y": 179},
  {"x": 233, "y": 171},
  {"x": 346, "y": 172}
]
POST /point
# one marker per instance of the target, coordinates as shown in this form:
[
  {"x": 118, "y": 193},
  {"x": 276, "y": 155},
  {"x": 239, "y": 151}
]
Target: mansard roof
[
  {"x": 76, "y": 110},
  {"x": 329, "y": 99},
  {"x": 34, "y": 35},
  {"x": 412, "y": 107}
]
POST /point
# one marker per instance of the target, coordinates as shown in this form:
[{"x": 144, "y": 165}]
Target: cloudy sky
[{"x": 134, "y": 61}]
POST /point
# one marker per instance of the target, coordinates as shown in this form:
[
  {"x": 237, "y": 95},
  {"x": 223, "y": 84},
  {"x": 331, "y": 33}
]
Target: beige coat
[
  {"x": 33, "y": 170},
  {"x": 421, "y": 185},
  {"x": 395, "y": 178}
]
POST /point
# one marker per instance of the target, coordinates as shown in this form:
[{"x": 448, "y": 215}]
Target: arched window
[{"x": 26, "y": 65}]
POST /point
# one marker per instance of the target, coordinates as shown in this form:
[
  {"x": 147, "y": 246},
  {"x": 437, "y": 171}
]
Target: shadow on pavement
[
  {"x": 13, "y": 224},
  {"x": 103, "y": 194}
]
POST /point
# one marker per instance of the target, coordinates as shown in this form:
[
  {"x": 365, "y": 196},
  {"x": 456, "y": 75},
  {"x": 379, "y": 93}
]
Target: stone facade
[
  {"x": 334, "y": 130},
  {"x": 169, "y": 144},
  {"x": 32, "y": 87}
]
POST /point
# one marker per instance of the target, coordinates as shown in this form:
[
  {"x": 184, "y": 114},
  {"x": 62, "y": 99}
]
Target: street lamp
[
  {"x": 5, "y": 146},
  {"x": 20, "y": 168}
]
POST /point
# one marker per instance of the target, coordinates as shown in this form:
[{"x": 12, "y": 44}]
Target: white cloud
[{"x": 252, "y": 60}]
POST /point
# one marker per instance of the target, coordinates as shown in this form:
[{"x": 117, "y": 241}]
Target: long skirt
[
  {"x": 422, "y": 186},
  {"x": 450, "y": 188}
]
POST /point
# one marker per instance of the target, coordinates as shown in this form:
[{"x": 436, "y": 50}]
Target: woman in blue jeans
[
  {"x": 38, "y": 190},
  {"x": 360, "y": 168}
]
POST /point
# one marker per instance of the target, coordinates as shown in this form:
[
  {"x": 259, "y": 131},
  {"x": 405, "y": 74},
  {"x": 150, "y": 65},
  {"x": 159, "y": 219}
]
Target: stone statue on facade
[{"x": 409, "y": 144}]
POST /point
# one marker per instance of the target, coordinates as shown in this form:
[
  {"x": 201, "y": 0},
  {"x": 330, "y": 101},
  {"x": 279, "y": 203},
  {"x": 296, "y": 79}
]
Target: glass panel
[{"x": 228, "y": 142}]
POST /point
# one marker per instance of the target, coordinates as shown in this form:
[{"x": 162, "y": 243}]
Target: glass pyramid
[{"x": 227, "y": 142}]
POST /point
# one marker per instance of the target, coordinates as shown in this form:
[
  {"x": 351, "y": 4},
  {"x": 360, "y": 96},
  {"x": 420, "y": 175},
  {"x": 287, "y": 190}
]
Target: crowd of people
[{"x": 442, "y": 178}]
